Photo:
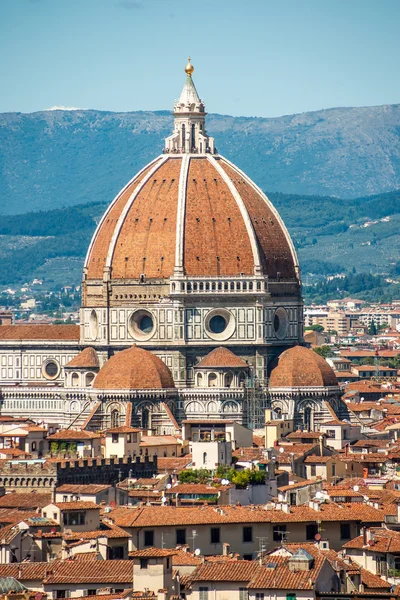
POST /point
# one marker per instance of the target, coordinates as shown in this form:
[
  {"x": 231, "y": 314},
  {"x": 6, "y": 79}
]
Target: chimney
[
  {"x": 225, "y": 549},
  {"x": 285, "y": 507},
  {"x": 366, "y": 535}
]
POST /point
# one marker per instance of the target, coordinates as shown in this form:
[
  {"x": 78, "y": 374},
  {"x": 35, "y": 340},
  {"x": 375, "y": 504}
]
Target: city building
[{"x": 191, "y": 291}]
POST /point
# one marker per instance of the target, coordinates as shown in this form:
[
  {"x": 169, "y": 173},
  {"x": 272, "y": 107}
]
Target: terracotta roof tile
[
  {"x": 216, "y": 239},
  {"x": 317, "y": 459},
  {"x": 8, "y": 515},
  {"x": 91, "y": 414},
  {"x": 147, "y": 236},
  {"x": 40, "y": 332},
  {"x": 30, "y": 500},
  {"x": 298, "y": 485},
  {"x": 173, "y": 464},
  {"x": 122, "y": 429},
  {"x": 35, "y": 571},
  {"x": 134, "y": 368},
  {"x": 78, "y": 505},
  {"x": 302, "y": 367},
  {"x": 8, "y": 533},
  {"x": 82, "y": 488},
  {"x": 159, "y": 516},
  {"x": 109, "y": 531},
  {"x": 238, "y": 570},
  {"x": 281, "y": 577},
  {"x": 159, "y": 440},
  {"x": 222, "y": 358},
  {"x": 82, "y": 571},
  {"x": 73, "y": 434},
  {"x": 86, "y": 359},
  {"x": 385, "y": 540},
  {"x": 272, "y": 239},
  {"x": 102, "y": 237},
  {"x": 151, "y": 553}
]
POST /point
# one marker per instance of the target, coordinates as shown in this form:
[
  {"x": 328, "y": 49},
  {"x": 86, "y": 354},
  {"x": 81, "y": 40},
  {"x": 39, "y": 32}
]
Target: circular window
[
  {"x": 142, "y": 325},
  {"x": 93, "y": 325},
  {"x": 281, "y": 322},
  {"x": 146, "y": 324},
  {"x": 220, "y": 324},
  {"x": 51, "y": 369}
]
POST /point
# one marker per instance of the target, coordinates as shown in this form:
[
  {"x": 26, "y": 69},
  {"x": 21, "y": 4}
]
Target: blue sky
[{"x": 252, "y": 58}]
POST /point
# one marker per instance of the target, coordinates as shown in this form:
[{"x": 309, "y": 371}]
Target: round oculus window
[
  {"x": 281, "y": 321},
  {"x": 217, "y": 324},
  {"x": 220, "y": 324},
  {"x": 141, "y": 325},
  {"x": 51, "y": 369},
  {"x": 146, "y": 324}
]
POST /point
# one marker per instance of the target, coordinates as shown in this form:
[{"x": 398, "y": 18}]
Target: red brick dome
[
  {"x": 134, "y": 369},
  {"x": 302, "y": 367},
  {"x": 197, "y": 215}
]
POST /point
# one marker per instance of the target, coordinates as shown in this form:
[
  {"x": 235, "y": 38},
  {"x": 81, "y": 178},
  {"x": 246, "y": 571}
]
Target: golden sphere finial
[{"x": 189, "y": 68}]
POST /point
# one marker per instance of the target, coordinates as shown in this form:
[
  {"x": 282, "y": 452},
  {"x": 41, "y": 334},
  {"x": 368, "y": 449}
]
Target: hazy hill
[
  {"x": 331, "y": 235},
  {"x": 56, "y": 159}
]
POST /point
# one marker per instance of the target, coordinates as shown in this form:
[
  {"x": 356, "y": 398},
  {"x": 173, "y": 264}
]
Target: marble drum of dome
[{"x": 191, "y": 254}]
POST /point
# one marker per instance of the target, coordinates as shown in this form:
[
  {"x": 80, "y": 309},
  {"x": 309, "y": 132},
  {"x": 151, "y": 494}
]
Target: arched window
[
  {"x": 115, "y": 417},
  {"x": 193, "y": 137},
  {"x": 308, "y": 418},
  {"x": 145, "y": 418},
  {"x": 230, "y": 407},
  {"x": 89, "y": 379},
  {"x": 228, "y": 379},
  {"x": 242, "y": 378},
  {"x": 199, "y": 379},
  {"x": 204, "y": 458},
  {"x": 212, "y": 380},
  {"x": 183, "y": 137},
  {"x": 75, "y": 380}
]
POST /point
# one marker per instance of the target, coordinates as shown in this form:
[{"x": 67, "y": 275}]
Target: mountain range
[
  {"x": 55, "y": 159},
  {"x": 334, "y": 176}
]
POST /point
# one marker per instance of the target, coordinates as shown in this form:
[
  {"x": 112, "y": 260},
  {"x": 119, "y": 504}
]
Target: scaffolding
[{"x": 256, "y": 400}]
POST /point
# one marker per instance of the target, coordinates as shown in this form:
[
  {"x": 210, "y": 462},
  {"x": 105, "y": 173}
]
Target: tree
[
  {"x": 315, "y": 327},
  {"x": 323, "y": 351},
  {"x": 372, "y": 328}
]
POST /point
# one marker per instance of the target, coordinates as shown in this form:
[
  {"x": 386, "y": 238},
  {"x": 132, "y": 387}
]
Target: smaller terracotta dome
[
  {"x": 134, "y": 369},
  {"x": 220, "y": 358},
  {"x": 302, "y": 367},
  {"x": 87, "y": 359}
]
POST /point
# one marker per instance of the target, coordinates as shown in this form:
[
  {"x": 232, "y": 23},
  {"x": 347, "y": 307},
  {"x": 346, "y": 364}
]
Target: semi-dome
[
  {"x": 133, "y": 369},
  {"x": 302, "y": 367},
  {"x": 192, "y": 213}
]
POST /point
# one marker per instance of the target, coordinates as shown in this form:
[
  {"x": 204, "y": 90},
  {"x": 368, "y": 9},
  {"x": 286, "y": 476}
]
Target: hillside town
[
  {"x": 124, "y": 513},
  {"x": 194, "y": 432}
]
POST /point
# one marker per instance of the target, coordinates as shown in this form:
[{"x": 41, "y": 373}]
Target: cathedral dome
[
  {"x": 134, "y": 369},
  {"x": 190, "y": 212},
  {"x": 192, "y": 215},
  {"x": 302, "y": 367}
]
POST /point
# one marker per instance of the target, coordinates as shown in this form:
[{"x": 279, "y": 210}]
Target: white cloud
[{"x": 63, "y": 108}]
